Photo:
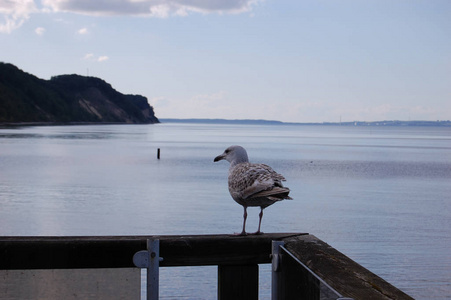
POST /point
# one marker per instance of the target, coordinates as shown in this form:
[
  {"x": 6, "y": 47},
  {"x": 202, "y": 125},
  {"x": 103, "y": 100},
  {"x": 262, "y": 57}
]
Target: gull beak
[{"x": 219, "y": 157}]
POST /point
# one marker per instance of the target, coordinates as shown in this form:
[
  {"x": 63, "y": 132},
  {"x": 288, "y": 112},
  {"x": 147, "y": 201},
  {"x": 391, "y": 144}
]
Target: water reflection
[
  {"x": 63, "y": 136},
  {"x": 379, "y": 196}
]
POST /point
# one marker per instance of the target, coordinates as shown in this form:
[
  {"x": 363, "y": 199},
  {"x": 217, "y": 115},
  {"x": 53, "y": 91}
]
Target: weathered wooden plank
[
  {"x": 238, "y": 282},
  {"x": 58, "y": 253},
  {"x": 343, "y": 274},
  {"x": 117, "y": 251},
  {"x": 71, "y": 284}
]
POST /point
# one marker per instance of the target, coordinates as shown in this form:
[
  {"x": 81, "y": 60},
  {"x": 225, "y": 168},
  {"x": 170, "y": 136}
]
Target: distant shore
[
  {"x": 446, "y": 123},
  {"x": 242, "y": 122}
]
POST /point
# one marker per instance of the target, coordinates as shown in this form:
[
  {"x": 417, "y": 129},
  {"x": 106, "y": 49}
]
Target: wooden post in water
[{"x": 158, "y": 153}]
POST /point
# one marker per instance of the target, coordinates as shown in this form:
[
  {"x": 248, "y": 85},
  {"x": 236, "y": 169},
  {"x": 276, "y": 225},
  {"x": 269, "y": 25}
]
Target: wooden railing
[{"x": 302, "y": 263}]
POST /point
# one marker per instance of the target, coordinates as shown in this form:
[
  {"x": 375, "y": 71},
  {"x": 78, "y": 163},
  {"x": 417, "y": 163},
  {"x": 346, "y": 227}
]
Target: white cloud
[
  {"x": 83, "y": 31},
  {"x": 160, "y": 11},
  {"x": 15, "y": 13},
  {"x": 152, "y": 8},
  {"x": 40, "y": 30},
  {"x": 88, "y": 56},
  {"x": 103, "y": 58},
  {"x": 92, "y": 57}
]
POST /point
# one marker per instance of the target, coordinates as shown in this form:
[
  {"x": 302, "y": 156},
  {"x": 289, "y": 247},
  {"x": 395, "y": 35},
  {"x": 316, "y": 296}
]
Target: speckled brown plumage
[
  {"x": 252, "y": 184},
  {"x": 256, "y": 185}
]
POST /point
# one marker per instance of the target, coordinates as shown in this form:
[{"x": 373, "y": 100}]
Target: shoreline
[
  {"x": 385, "y": 123},
  {"x": 393, "y": 123}
]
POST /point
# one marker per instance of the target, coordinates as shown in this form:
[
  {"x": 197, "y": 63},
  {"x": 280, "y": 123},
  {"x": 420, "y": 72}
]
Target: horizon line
[{"x": 284, "y": 122}]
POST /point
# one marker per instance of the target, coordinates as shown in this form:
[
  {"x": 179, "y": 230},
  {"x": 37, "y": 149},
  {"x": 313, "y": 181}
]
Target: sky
[{"x": 286, "y": 60}]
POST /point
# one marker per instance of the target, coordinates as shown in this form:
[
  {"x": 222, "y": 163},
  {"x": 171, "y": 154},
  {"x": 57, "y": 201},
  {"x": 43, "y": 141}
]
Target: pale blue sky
[{"x": 294, "y": 61}]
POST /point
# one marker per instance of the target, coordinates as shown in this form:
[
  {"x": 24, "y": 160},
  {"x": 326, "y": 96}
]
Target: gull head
[{"x": 234, "y": 155}]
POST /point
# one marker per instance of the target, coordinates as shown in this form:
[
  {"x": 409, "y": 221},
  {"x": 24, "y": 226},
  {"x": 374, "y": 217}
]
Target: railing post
[
  {"x": 277, "y": 291},
  {"x": 238, "y": 282},
  {"x": 150, "y": 259},
  {"x": 153, "y": 270}
]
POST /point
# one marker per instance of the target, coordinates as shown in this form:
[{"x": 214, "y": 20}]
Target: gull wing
[{"x": 248, "y": 180}]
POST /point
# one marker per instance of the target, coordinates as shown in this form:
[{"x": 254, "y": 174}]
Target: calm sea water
[{"x": 381, "y": 195}]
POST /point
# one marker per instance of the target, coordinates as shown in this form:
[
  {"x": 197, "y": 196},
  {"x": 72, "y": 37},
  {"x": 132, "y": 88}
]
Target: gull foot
[
  {"x": 258, "y": 233},
  {"x": 243, "y": 233}
]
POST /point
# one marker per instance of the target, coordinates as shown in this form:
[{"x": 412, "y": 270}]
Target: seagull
[{"x": 252, "y": 184}]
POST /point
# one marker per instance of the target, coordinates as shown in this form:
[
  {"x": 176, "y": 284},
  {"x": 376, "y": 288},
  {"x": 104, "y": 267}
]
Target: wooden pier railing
[{"x": 302, "y": 260}]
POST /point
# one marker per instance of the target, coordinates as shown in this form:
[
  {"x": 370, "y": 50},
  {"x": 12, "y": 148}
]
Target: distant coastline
[
  {"x": 446, "y": 123},
  {"x": 223, "y": 121},
  {"x": 244, "y": 122}
]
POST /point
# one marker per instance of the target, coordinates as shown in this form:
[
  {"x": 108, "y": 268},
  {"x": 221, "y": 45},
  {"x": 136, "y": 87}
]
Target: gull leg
[
  {"x": 260, "y": 221},
  {"x": 244, "y": 221}
]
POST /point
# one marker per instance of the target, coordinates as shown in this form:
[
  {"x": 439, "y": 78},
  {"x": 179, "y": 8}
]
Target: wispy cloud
[
  {"x": 102, "y": 58},
  {"x": 39, "y": 31},
  {"x": 92, "y": 57},
  {"x": 152, "y": 8},
  {"x": 83, "y": 31},
  {"x": 15, "y": 13},
  {"x": 88, "y": 56}
]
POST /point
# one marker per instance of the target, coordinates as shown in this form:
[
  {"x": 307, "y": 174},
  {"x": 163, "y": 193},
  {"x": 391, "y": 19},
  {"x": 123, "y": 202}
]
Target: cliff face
[{"x": 67, "y": 98}]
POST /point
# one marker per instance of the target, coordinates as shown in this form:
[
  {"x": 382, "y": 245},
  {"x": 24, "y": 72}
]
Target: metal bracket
[
  {"x": 276, "y": 257},
  {"x": 150, "y": 259}
]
